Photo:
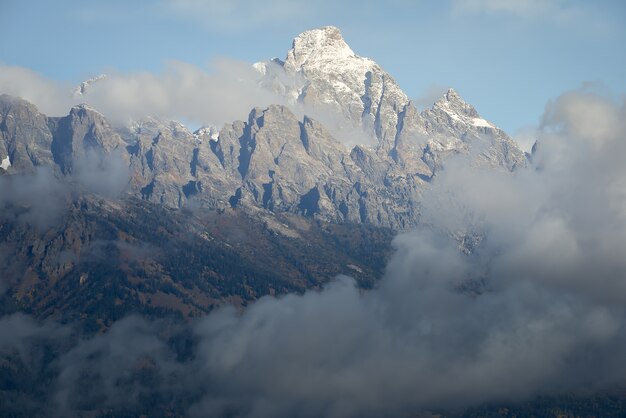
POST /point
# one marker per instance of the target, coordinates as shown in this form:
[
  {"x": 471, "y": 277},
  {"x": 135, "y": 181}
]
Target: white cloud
[
  {"x": 429, "y": 96},
  {"x": 51, "y": 97},
  {"x": 526, "y": 138},
  {"x": 183, "y": 91}
]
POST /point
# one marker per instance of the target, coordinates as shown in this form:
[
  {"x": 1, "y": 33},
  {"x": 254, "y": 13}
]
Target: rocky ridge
[{"x": 275, "y": 161}]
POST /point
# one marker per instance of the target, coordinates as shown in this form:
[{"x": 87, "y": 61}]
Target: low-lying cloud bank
[
  {"x": 534, "y": 304},
  {"x": 224, "y": 93},
  {"x": 40, "y": 197}
]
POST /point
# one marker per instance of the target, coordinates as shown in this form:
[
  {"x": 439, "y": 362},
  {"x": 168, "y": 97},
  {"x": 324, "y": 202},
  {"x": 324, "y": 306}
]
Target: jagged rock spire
[{"x": 452, "y": 101}]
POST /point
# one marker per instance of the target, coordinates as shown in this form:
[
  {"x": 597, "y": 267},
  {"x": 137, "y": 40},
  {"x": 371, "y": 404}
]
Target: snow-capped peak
[
  {"x": 6, "y": 163},
  {"x": 321, "y": 44},
  {"x": 454, "y": 104},
  {"x": 84, "y": 107},
  {"x": 211, "y": 132},
  {"x": 322, "y": 70},
  {"x": 449, "y": 98}
]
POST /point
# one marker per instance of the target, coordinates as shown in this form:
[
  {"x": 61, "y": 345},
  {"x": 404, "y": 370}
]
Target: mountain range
[{"x": 275, "y": 160}]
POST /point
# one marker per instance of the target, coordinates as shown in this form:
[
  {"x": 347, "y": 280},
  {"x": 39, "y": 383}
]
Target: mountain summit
[
  {"x": 329, "y": 77},
  {"x": 336, "y": 80},
  {"x": 317, "y": 45},
  {"x": 451, "y": 99}
]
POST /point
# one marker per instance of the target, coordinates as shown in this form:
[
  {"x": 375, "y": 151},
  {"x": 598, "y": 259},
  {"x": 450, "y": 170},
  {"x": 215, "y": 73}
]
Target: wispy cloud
[
  {"x": 521, "y": 8},
  {"x": 224, "y": 93},
  {"x": 51, "y": 97},
  {"x": 562, "y": 12},
  {"x": 241, "y": 14}
]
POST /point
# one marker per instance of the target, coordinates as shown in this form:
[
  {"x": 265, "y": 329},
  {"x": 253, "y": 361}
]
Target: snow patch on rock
[{"x": 6, "y": 163}]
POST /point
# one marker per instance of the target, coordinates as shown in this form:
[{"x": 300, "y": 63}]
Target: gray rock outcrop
[{"x": 25, "y": 140}]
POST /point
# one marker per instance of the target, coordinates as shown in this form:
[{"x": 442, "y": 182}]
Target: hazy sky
[{"x": 507, "y": 57}]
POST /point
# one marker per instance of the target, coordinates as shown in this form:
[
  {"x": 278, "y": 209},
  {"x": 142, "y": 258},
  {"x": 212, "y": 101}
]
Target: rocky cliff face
[
  {"x": 453, "y": 125},
  {"x": 25, "y": 140},
  {"x": 81, "y": 134},
  {"x": 275, "y": 161},
  {"x": 163, "y": 159}
]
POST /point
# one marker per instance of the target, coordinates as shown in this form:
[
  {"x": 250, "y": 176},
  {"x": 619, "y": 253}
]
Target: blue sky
[{"x": 507, "y": 57}]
